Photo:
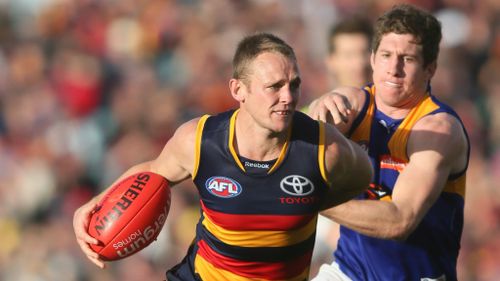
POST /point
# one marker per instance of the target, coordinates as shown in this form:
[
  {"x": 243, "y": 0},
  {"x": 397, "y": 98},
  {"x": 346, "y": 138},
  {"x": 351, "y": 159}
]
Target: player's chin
[{"x": 281, "y": 123}]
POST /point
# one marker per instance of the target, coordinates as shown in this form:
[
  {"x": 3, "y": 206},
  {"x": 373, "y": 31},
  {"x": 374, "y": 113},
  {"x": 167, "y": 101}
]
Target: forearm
[{"x": 380, "y": 219}]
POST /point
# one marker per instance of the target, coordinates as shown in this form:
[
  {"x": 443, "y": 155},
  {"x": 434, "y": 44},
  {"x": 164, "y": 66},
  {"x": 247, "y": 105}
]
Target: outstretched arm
[
  {"x": 339, "y": 107},
  {"x": 175, "y": 163},
  {"x": 437, "y": 148}
]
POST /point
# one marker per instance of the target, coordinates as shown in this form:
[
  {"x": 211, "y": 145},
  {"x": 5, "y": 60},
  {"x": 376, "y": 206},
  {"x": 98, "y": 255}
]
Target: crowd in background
[{"x": 90, "y": 87}]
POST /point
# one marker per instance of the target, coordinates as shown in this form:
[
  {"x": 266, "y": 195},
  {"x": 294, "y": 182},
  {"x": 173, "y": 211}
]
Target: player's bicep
[
  {"x": 176, "y": 160},
  {"x": 418, "y": 186},
  {"x": 434, "y": 147},
  {"x": 347, "y": 167}
]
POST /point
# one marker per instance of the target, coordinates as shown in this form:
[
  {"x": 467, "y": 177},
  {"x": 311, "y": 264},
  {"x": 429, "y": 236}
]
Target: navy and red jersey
[
  {"x": 255, "y": 226},
  {"x": 431, "y": 251}
]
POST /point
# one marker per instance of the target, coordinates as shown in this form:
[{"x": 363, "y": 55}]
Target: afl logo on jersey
[
  {"x": 223, "y": 187},
  {"x": 297, "y": 185}
]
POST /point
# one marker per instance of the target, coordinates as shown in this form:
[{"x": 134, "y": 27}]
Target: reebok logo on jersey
[
  {"x": 223, "y": 187},
  {"x": 257, "y": 165}
]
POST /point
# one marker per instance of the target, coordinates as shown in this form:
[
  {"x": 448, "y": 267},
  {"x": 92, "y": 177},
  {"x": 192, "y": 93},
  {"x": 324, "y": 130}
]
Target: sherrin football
[{"x": 130, "y": 215}]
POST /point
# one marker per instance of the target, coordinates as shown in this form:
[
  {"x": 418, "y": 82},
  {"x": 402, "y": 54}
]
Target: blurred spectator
[{"x": 348, "y": 59}]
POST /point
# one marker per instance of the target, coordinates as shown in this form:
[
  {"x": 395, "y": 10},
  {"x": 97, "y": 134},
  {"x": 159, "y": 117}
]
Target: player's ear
[
  {"x": 430, "y": 69},
  {"x": 372, "y": 59},
  {"x": 238, "y": 89}
]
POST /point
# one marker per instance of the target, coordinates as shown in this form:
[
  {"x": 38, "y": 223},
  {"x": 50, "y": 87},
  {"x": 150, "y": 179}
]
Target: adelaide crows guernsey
[
  {"x": 255, "y": 226},
  {"x": 431, "y": 251}
]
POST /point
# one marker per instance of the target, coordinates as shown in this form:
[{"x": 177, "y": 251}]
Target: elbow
[
  {"x": 398, "y": 234},
  {"x": 401, "y": 230}
]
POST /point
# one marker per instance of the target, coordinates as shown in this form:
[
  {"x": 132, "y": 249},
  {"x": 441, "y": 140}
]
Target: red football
[{"x": 130, "y": 216}]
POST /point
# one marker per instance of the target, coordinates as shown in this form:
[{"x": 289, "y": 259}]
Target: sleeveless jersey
[
  {"x": 255, "y": 226},
  {"x": 431, "y": 251}
]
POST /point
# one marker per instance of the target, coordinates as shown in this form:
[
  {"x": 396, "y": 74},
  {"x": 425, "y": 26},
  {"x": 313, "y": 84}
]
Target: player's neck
[
  {"x": 255, "y": 150},
  {"x": 398, "y": 111},
  {"x": 392, "y": 111},
  {"x": 256, "y": 143}
]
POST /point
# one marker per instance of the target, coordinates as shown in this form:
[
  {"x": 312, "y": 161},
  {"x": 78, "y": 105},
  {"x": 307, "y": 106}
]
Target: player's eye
[
  {"x": 409, "y": 59},
  {"x": 295, "y": 84},
  {"x": 275, "y": 87}
]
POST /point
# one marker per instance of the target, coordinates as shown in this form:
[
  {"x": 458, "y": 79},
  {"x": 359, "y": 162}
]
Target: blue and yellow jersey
[
  {"x": 255, "y": 226},
  {"x": 431, "y": 251}
]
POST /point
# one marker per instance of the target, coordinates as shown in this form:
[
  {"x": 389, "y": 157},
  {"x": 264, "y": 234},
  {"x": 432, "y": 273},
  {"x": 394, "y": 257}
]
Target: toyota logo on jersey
[
  {"x": 223, "y": 187},
  {"x": 297, "y": 185}
]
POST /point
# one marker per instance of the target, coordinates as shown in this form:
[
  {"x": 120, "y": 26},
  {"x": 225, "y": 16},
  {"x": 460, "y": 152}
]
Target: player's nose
[{"x": 287, "y": 95}]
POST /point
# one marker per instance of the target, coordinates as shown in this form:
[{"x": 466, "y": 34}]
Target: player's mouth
[
  {"x": 393, "y": 84},
  {"x": 283, "y": 112}
]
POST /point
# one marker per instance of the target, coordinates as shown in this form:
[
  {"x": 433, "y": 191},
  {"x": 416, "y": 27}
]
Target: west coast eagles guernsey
[
  {"x": 431, "y": 251},
  {"x": 255, "y": 226}
]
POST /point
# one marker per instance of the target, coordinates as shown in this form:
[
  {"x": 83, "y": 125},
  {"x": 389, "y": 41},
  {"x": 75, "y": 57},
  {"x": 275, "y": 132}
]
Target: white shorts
[{"x": 331, "y": 272}]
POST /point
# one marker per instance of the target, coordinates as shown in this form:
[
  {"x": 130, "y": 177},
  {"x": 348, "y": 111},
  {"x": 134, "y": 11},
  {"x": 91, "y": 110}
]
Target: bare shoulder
[
  {"x": 187, "y": 131},
  {"x": 441, "y": 132},
  {"x": 176, "y": 160},
  {"x": 184, "y": 139},
  {"x": 442, "y": 126}
]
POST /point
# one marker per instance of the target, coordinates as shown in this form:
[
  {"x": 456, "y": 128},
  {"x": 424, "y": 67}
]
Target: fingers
[
  {"x": 312, "y": 110},
  {"x": 335, "y": 112},
  {"x": 318, "y": 109},
  {"x": 97, "y": 262},
  {"x": 87, "y": 250},
  {"x": 332, "y": 108},
  {"x": 321, "y": 114},
  {"x": 91, "y": 255},
  {"x": 86, "y": 238},
  {"x": 81, "y": 221},
  {"x": 343, "y": 105}
]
